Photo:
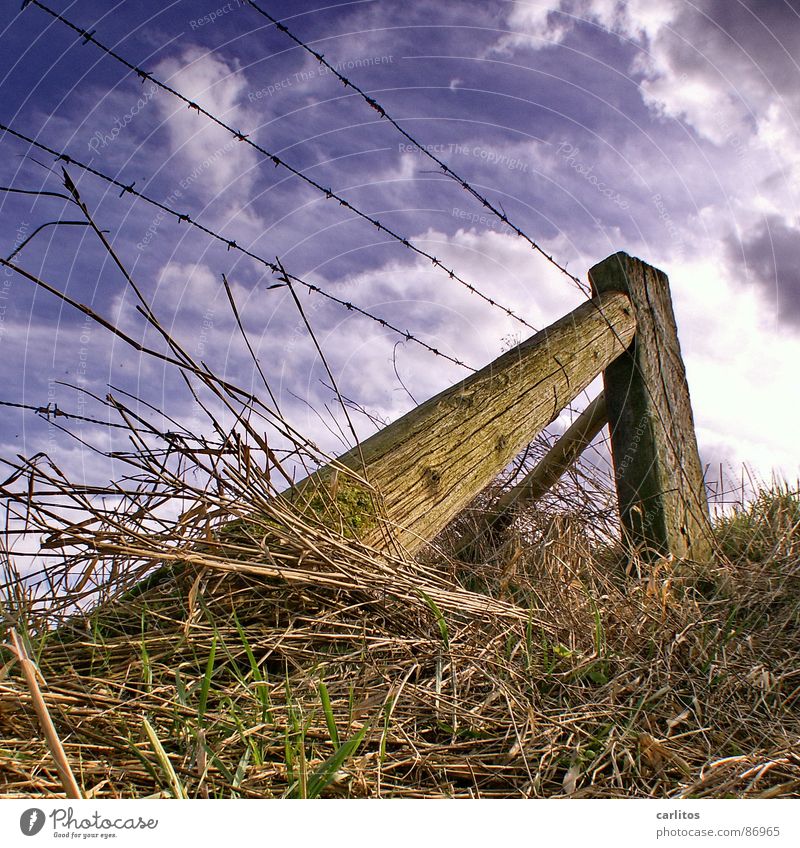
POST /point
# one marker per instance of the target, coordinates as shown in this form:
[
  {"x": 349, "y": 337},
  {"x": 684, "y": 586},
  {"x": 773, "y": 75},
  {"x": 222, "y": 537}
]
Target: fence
[
  {"x": 405, "y": 483},
  {"x": 400, "y": 487}
]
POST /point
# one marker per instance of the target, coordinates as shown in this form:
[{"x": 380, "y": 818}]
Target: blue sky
[{"x": 667, "y": 130}]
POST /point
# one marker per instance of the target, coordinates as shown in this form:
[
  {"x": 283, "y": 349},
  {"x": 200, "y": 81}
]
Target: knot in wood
[{"x": 432, "y": 477}]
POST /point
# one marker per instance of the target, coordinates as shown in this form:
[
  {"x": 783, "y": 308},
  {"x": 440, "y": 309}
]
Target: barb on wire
[
  {"x": 500, "y": 214},
  {"x": 328, "y": 192},
  {"x": 237, "y": 401}
]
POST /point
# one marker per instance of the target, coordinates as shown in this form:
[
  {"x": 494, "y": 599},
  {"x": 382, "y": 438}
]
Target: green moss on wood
[{"x": 341, "y": 504}]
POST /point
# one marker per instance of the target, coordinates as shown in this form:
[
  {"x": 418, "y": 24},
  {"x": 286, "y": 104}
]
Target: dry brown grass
[{"x": 540, "y": 669}]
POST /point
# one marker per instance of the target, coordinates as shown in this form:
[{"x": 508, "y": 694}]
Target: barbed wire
[
  {"x": 51, "y": 411},
  {"x": 88, "y": 37},
  {"x": 231, "y": 244},
  {"x": 446, "y": 169}
]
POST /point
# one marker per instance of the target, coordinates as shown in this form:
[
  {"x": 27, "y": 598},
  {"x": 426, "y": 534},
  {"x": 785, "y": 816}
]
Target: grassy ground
[{"x": 282, "y": 659}]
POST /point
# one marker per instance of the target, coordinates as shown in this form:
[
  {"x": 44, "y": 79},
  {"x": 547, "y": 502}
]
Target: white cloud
[
  {"x": 728, "y": 75},
  {"x": 537, "y": 23},
  {"x": 219, "y": 87},
  {"x": 439, "y": 311},
  {"x": 742, "y": 373}
]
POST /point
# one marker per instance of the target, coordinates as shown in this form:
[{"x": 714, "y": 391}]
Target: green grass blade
[
  {"x": 163, "y": 760},
  {"x": 326, "y": 773},
  {"x": 440, "y": 620},
  {"x": 206, "y": 685},
  {"x": 147, "y": 669},
  {"x": 247, "y": 649},
  {"x": 328, "y": 710},
  {"x": 261, "y": 687},
  {"x": 241, "y": 769},
  {"x": 180, "y": 690}
]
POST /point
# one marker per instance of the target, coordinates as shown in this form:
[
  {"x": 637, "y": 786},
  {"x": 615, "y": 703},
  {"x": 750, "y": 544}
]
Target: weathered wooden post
[
  {"x": 425, "y": 467},
  {"x": 662, "y": 499}
]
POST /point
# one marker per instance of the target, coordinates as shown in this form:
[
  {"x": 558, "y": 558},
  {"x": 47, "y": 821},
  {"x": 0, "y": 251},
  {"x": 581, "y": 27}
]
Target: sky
[{"x": 666, "y": 130}]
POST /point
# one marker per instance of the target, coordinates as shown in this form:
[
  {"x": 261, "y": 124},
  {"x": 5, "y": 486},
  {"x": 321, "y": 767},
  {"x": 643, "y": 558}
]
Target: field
[{"x": 276, "y": 656}]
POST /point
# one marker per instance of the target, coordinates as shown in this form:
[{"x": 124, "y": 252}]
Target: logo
[{"x": 31, "y": 821}]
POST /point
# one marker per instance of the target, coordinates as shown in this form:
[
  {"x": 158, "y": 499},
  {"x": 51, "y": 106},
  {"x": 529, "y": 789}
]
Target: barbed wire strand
[
  {"x": 231, "y": 244},
  {"x": 88, "y": 37},
  {"x": 445, "y": 168}
]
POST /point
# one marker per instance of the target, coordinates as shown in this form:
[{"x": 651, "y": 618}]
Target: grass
[
  {"x": 561, "y": 677},
  {"x": 757, "y": 532}
]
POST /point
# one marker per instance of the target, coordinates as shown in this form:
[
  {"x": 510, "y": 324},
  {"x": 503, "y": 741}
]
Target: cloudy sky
[{"x": 663, "y": 129}]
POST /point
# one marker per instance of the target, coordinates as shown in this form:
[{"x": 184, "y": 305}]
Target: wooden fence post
[
  {"x": 425, "y": 467},
  {"x": 662, "y": 498}
]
